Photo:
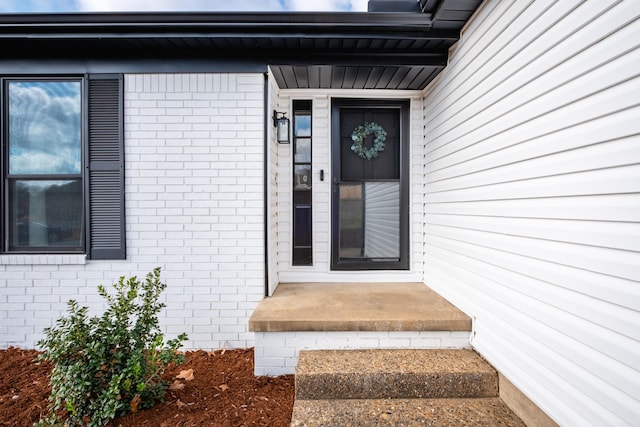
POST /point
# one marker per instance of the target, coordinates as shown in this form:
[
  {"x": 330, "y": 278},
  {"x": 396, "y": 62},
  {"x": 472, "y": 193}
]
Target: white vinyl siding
[
  {"x": 532, "y": 208},
  {"x": 272, "y": 196}
]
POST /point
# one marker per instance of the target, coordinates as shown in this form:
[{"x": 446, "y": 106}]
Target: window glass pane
[
  {"x": 44, "y": 127},
  {"x": 302, "y": 223},
  {"x": 45, "y": 214},
  {"x": 303, "y": 125},
  {"x": 370, "y": 221},
  {"x": 303, "y": 151},
  {"x": 302, "y": 177},
  {"x": 382, "y": 220},
  {"x": 302, "y": 211}
]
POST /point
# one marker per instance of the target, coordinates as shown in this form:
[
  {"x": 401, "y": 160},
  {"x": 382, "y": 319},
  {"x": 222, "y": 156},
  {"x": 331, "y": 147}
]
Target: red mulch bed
[{"x": 223, "y": 392}]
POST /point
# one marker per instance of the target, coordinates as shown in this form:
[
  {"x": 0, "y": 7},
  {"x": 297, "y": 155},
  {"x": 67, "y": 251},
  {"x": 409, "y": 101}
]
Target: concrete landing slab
[
  {"x": 478, "y": 412},
  {"x": 356, "y": 307}
]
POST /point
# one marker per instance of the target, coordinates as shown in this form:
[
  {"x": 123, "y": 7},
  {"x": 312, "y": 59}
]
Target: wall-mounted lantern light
[{"x": 281, "y": 123}]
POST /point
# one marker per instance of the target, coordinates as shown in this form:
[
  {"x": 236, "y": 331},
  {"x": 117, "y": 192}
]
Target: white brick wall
[
  {"x": 276, "y": 353},
  {"x": 194, "y": 206}
]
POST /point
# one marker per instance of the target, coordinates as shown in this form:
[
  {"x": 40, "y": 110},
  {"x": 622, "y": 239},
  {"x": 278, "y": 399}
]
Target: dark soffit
[{"x": 304, "y": 49}]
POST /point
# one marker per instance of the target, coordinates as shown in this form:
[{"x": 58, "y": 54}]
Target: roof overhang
[{"x": 387, "y": 50}]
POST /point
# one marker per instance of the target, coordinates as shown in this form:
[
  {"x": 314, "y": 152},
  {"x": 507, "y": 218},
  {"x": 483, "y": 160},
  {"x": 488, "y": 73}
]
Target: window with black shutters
[{"x": 62, "y": 165}]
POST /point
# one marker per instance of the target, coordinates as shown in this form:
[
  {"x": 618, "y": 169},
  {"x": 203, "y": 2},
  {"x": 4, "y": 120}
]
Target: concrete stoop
[{"x": 398, "y": 388}]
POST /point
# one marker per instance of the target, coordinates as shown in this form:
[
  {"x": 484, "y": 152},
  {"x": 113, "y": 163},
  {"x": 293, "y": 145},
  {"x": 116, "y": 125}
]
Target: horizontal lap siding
[
  {"x": 272, "y": 174},
  {"x": 532, "y": 209}
]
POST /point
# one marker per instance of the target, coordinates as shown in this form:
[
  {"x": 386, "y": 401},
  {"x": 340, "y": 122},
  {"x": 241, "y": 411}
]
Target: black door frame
[{"x": 402, "y": 105}]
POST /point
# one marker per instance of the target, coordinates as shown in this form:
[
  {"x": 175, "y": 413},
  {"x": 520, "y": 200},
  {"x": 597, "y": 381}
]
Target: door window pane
[
  {"x": 44, "y": 127},
  {"x": 46, "y": 213},
  {"x": 370, "y": 221},
  {"x": 382, "y": 220},
  {"x": 351, "y": 219}
]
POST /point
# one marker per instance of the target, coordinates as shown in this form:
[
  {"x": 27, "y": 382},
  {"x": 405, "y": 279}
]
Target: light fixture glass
[{"x": 282, "y": 127}]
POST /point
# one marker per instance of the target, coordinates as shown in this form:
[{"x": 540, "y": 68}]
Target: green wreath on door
[{"x": 361, "y": 132}]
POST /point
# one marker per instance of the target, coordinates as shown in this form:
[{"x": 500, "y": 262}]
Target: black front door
[{"x": 370, "y": 198}]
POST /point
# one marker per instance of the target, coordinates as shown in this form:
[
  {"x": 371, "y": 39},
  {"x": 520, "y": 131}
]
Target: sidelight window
[{"x": 302, "y": 184}]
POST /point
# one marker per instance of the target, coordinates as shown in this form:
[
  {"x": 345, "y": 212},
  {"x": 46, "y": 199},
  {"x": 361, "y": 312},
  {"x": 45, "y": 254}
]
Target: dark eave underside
[
  {"x": 355, "y": 77},
  {"x": 304, "y": 50}
]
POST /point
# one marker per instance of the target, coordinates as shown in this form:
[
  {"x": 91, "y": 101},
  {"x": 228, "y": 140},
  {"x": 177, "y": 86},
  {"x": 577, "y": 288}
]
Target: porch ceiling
[{"x": 383, "y": 50}]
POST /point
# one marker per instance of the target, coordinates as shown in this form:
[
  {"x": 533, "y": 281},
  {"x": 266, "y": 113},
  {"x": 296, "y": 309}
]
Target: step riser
[
  {"x": 276, "y": 353},
  {"x": 396, "y": 386},
  {"x": 490, "y": 412},
  {"x": 394, "y": 374}
]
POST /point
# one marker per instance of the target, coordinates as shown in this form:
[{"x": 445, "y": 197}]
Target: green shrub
[{"x": 107, "y": 366}]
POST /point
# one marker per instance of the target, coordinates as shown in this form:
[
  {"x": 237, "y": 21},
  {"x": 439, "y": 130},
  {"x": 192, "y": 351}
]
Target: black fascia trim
[
  {"x": 284, "y": 26},
  {"x": 238, "y": 21},
  {"x": 70, "y": 66},
  {"x": 115, "y": 36},
  {"x": 100, "y": 53},
  {"x": 372, "y": 33}
]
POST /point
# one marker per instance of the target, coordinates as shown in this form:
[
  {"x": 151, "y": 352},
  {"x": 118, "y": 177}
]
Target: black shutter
[{"x": 105, "y": 187}]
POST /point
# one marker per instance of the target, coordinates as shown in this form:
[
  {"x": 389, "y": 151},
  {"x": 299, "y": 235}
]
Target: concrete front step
[
  {"x": 318, "y": 316},
  {"x": 403, "y": 373},
  {"x": 380, "y": 307},
  {"x": 478, "y": 412}
]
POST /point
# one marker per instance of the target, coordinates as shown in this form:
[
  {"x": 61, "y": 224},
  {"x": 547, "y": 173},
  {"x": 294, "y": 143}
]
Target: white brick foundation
[{"x": 276, "y": 353}]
